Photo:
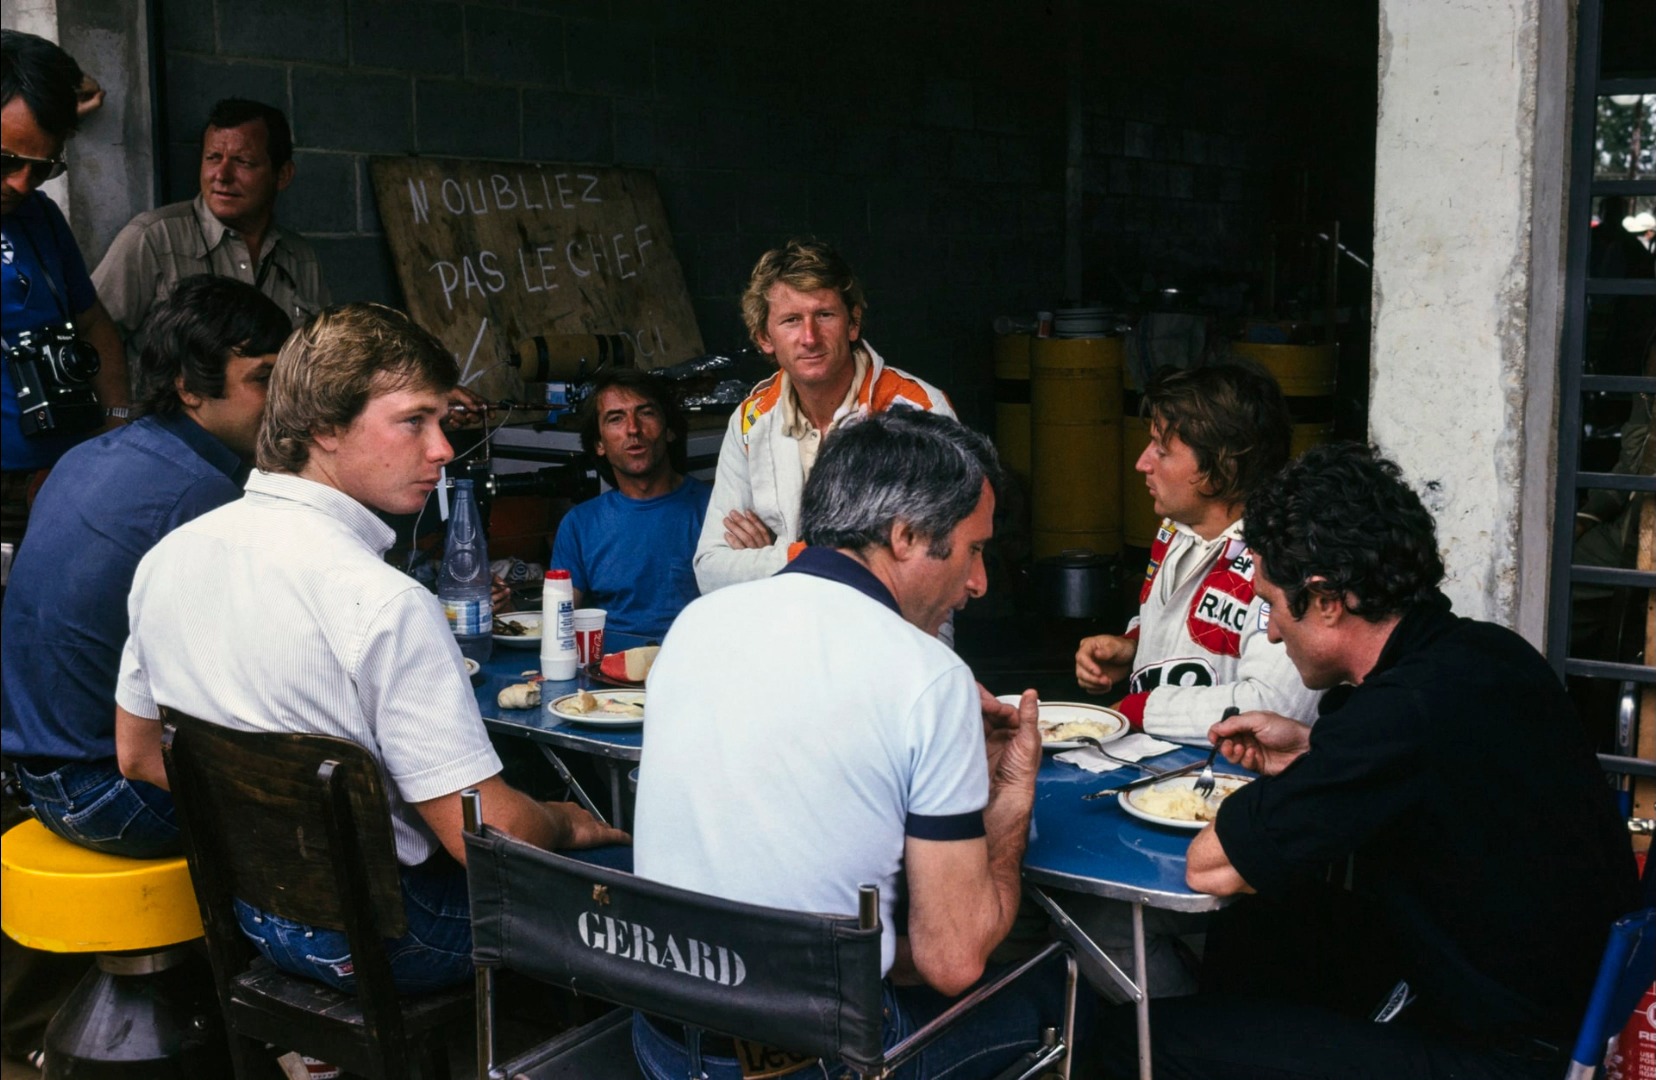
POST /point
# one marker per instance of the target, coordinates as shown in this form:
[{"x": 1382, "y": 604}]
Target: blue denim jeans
[
  {"x": 434, "y": 953},
  {"x": 91, "y": 804},
  {"x": 991, "y": 1037}
]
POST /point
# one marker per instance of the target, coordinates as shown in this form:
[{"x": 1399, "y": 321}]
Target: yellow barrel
[
  {"x": 1075, "y": 444},
  {"x": 1012, "y": 402},
  {"x": 1306, "y": 374}
]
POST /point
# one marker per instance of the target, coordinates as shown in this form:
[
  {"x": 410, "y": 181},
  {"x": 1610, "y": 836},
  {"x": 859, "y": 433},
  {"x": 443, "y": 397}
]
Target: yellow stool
[{"x": 147, "y": 1009}]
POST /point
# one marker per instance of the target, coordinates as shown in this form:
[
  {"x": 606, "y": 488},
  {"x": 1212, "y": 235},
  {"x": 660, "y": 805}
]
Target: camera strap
[
  {"x": 265, "y": 264},
  {"x": 46, "y": 273}
]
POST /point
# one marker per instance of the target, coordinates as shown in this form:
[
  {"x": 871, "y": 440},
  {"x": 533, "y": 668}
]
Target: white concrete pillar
[{"x": 1470, "y": 161}]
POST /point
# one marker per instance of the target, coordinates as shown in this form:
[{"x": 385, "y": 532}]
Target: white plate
[
  {"x": 631, "y": 697},
  {"x": 531, "y": 623},
  {"x": 1113, "y": 724},
  {"x": 472, "y": 666},
  {"x": 1223, "y": 785}
]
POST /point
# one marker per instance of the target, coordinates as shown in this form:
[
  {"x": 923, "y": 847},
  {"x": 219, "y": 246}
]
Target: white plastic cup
[{"x": 589, "y": 635}]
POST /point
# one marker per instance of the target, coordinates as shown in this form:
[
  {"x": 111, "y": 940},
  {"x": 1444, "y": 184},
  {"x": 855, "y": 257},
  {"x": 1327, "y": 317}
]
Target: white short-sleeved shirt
[
  {"x": 279, "y": 613},
  {"x": 799, "y": 731}
]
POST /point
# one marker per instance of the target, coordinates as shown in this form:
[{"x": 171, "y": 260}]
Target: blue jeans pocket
[{"x": 93, "y": 805}]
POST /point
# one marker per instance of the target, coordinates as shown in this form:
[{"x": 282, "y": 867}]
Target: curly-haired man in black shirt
[{"x": 1436, "y": 862}]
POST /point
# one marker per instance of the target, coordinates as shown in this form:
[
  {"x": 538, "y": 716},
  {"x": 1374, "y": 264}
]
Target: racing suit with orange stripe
[{"x": 760, "y": 468}]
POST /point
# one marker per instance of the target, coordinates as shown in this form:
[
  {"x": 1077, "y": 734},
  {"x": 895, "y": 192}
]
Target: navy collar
[
  {"x": 827, "y": 563},
  {"x": 205, "y": 443}
]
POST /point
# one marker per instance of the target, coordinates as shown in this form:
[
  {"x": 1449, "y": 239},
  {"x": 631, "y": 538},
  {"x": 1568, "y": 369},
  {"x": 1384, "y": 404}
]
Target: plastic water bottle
[
  {"x": 464, "y": 586},
  {"x": 558, "y": 626}
]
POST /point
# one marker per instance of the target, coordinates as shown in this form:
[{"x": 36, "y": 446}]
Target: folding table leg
[
  {"x": 569, "y": 780},
  {"x": 1084, "y": 944},
  {"x": 1143, "y": 1001},
  {"x": 1136, "y": 987},
  {"x": 617, "y": 808}
]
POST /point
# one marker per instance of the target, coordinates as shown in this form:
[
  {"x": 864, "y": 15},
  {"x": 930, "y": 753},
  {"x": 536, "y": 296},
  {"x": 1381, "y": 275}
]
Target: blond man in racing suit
[{"x": 804, "y": 307}]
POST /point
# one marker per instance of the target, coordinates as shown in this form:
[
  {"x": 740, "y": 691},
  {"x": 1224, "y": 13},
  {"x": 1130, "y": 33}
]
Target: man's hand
[
  {"x": 1103, "y": 661},
  {"x": 1265, "y": 742},
  {"x": 1011, "y": 738},
  {"x": 89, "y": 96},
  {"x": 582, "y": 829},
  {"x": 465, "y": 409},
  {"x": 743, "y": 530},
  {"x": 500, "y": 595}
]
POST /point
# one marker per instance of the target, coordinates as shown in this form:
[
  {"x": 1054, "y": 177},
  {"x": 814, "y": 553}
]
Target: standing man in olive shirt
[{"x": 228, "y": 230}]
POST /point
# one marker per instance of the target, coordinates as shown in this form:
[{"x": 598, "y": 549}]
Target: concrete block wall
[
  {"x": 1197, "y": 136},
  {"x": 926, "y": 140}
]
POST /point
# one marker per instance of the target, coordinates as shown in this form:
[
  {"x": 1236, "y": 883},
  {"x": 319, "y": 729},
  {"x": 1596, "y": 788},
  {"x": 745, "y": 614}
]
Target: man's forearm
[
  {"x": 1006, "y": 825},
  {"x": 98, "y": 330}
]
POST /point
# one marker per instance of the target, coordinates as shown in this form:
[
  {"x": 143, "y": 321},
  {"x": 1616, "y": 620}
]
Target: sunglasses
[{"x": 40, "y": 169}]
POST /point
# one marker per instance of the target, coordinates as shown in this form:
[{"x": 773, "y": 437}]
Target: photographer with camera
[{"x": 64, "y": 374}]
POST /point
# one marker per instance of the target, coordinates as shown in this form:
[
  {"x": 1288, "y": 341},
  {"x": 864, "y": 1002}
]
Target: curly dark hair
[
  {"x": 652, "y": 388},
  {"x": 1340, "y": 521},
  {"x": 1231, "y": 414}
]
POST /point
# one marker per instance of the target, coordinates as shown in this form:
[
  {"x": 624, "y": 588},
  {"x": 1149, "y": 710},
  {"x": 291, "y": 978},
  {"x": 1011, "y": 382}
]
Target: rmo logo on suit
[{"x": 634, "y": 941}]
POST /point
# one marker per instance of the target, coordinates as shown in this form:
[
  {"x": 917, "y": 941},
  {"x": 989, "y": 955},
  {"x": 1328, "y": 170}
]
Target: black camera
[{"x": 52, "y": 372}]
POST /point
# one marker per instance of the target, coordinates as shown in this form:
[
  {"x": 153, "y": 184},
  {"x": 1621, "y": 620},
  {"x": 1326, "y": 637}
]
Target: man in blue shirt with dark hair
[
  {"x": 629, "y": 550},
  {"x": 201, "y": 391},
  {"x": 44, "y": 286}
]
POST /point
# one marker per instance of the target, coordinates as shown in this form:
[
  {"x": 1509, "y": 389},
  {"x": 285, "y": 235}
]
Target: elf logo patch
[{"x": 1243, "y": 565}]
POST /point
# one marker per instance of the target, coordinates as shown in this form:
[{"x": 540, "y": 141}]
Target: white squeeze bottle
[{"x": 558, "y": 626}]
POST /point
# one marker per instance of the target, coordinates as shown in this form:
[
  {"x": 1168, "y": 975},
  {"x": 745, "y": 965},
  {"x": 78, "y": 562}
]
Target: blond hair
[
  {"x": 327, "y": 372},
  {"x": 805, "y": 265}
]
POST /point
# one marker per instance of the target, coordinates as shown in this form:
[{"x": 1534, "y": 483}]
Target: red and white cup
[{"x": 589, "y": 635}]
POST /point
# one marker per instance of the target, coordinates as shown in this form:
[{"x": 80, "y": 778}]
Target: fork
[
  {"x": 1205, "y": 780},
  {"x": 1099, "y": 746}
]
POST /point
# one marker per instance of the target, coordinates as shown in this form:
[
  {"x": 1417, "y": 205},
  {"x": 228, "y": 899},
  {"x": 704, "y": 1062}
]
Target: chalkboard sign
[{"x": 491, "y": 254}]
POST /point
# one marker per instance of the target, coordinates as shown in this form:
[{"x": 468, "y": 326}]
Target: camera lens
[{"x": 74, "y": 361}]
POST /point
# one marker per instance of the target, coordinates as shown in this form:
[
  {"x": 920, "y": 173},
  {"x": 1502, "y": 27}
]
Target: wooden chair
[
  {"x": 299, "y": 826},
  {"x": 805, "y": 982}
]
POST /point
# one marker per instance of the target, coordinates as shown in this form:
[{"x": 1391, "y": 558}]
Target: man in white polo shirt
[
  {"x": 846, "y": 744},
  {"x": 279, "y": 613}
]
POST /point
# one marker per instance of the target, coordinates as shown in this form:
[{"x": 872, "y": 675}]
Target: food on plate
[
  {"x": 520, "y": 696},
  {"x": 1068, "y": 730},
  {"x": 1180, "y": 802},
  {"x": 509, "y": 629},
  {"x": 587, "y": 704},
  {"x": 632, "y": 665}
]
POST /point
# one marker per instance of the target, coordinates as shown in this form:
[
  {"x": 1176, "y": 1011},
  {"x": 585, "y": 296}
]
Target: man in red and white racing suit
[
  {"x": 1198, "y": 645},
  {"x": 1199, "y": 640}
]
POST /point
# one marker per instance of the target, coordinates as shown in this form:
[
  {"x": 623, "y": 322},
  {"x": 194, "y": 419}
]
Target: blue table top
[
  {"x": 509, "y": 664},
  {"x": 1091, "y": 847},
  {"x": 1097, "y": 847}
]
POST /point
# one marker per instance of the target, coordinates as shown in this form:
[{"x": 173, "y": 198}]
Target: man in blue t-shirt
[
  {"x": 629, "y": 550},
  {"x": 201, "y": 394},
  {"x": 43, "y": 280}
]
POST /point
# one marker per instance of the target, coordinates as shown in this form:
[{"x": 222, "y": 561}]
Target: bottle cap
[{"x": 557, "y": 575}]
